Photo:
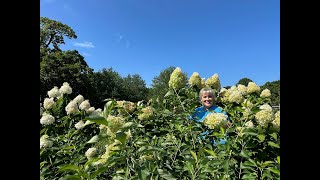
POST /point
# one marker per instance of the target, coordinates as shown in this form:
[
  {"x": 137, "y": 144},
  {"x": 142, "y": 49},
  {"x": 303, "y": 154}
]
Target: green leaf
[
  {"x": 244, "y": 154},
  {"x": 261, "y": 137},
  {"x": 250, "y": 176},
  {"x": 267, "y": 163},
  {"x": 108, "y": 107},
  {"x": 94, "y": 139},
  {"x": 165, "y": 174},
  {"x": 274, "y": 135},
  {"x": 273, "y": 144},
  {"x": 211, "y": 152},
  {"x": 71, "y": 177},
  {"x": 69, "y": 167},
  {"x": 143, "y": 174},
  {"x": 250, "y": 163},
  {"x": 250, "y": 131},
  {"x": 97, "y": 119},
  {"x": 194, "y": 155},
  {"x": 121, "y": 136},
  {"x": 274, "y": 170},
  {"x": 278, "y": 159}
]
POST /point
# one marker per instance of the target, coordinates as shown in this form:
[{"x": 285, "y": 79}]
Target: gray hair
[{"x": 207, "y": 90}]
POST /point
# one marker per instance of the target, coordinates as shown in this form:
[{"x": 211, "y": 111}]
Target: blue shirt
[{"x": 201, "y": 113}]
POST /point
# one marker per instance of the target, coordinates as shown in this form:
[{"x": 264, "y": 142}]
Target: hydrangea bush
[{"x": 158, "y": 139}]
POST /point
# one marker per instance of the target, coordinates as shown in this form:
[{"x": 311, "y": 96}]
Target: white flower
[
  {"x": 236, "y": 97},
  {"x": 44, "y": 142},
  {"x": 177, "y": 79},
  {"x": 214, "y": 82},
  {"x": 65, "y": 88},
  {"x": 85, "y": 105},
  {"x": 47, "y": 119},
  {"x": 195, "y": 80},
  {"x": 242, "y": 88},
  {"x": 71, "y": 108},
  {"x": 252, "y": 87},
  {"x": 249, "y": 124},
  {"x": 263, "y": 117},
  {"x": 265, "y": 93},
  {"x": 90, "y": 110},
  {"x": 215, "y": 120},
  {"x": 54, "y": 92},
  {"x": 79, "y": 125},
  {"x": 48, "y": 103},
  {"x": 276, "y": 121},
  {"x": 266, "y": 107},
  {"x": 91, "y": 152},
  {"x": 78, "y": 99}
]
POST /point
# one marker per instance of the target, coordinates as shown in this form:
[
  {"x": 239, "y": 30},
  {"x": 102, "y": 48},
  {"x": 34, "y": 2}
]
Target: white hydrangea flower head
[
  {"x": 252, "y": 87},
  {"x": 249, "y": 124},
  {"x": 79, "y": 125},
  {"x": 127, "y": 105},
  {"x": 48, "y": 103},
  {"x": 215, "y": 120},
  {"x": 79, "y": 99},
  {"x": 276, "y": 121},
  {"x": 47, "y": 119},
  {"x": 242, "y": 88},
  {"x": 85, "y": 105},
  {"x": 115, "y": 122},
  {"x": 91, "y": 152},
  {"x": 147, "y": 113},
  {"x": 214, "y": 82},
  {"x": 248, "y": 104},
  {"x": 54, "y": 92},
  {"x": 266, "y": 107},
  {"x": 203, "y": 82},
  {"x": 236, "y": 97},
  {"x": 264, "y": 117},
  {"x": 95, "y": 113},
  {"x": 72, "y": 108},
  {"x": 177, "y": 79},
  {"x": 45, "y": 142},
  {"x": 195, "y": 80},
  {"x": 90, "y": 110},
  {"x": 265, "y": 93},
  {"x": 65, "y": 88}
]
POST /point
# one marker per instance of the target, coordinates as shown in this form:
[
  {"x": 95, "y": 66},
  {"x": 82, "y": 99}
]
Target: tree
[
  {"x": 134, "y": 88},
  {"x": 108, "y": 84},
  {"x": 244, "y": 81},
  {"x": 53, "y": 32},
  {"x": 160, "y": 84},
  {"x": 65, "y": 66}
]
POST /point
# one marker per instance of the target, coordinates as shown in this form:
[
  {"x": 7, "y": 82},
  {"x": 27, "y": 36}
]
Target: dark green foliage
[
  {"x": 65, "y": 66},
  {"x": 244, "y": 81},
  {"x": 134, "y": 88},
  {"x": 160, "y": 84}
]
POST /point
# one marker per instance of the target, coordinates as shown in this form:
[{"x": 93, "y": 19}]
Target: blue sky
[{"x": 232, "y": 38}]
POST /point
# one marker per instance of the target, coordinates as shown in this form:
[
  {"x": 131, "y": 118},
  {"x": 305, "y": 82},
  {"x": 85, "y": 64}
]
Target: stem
[{"x": 179, "y": 99}]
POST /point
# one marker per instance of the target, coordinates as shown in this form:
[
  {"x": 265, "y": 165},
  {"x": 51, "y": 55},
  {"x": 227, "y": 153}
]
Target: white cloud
[
  {"x": 84, "y": 45},
  {"x": 86, "y": 54}
]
